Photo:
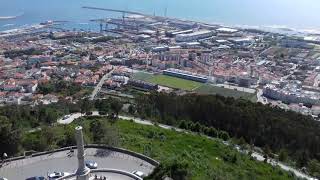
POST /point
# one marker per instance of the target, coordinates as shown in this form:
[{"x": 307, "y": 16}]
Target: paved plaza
[{"x": 65, "y": 161}]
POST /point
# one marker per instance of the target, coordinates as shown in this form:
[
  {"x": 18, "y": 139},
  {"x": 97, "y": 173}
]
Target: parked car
[
  {"x": 2, "y": 178},
  {"x": 139, "y": 174},
  {"x": 89, "y": 113},
  {"x": 91, "y": 164},
  {"x": 56, "y": 175},
  {"x": 36, "y": 178},
  {"x": 66, "y": 117}
]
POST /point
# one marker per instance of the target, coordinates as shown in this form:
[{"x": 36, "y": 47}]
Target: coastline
[
  {"x": 281, "y": 29},
  {"x": 278, "y": 29}
]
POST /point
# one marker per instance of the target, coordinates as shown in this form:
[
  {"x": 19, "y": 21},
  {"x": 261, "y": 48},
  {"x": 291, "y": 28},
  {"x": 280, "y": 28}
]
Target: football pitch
[
  {"x": 210, "y": 89},
  {"x": 174, "y": 82},
  {"x": 197, "y": 87}
]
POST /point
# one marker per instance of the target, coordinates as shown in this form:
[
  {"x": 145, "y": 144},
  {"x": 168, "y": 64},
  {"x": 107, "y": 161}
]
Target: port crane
[
  {"x": 108, "y": 21},
  {"x": 124, "y": 12}
]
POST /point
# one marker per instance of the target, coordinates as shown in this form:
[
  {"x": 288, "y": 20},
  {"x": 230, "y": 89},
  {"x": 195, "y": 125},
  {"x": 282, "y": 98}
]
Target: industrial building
[
  {"x": 226, "y": 30},
  {"x": 175, "y": 33},
  {"x": 194, "y": 36},
  {"x": 185, "y": 75}
]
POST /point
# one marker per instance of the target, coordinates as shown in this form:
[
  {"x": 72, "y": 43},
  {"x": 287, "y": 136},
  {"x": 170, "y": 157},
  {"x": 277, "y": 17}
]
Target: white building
[
  {"x": 291, "y": 94},
  {"x": 194, "y": 36},
  {"x": 226, "y": 30}
]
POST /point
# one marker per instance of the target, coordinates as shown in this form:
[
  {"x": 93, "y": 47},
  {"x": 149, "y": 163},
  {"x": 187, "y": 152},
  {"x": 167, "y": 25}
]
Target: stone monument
[{"x": 83, "y": 171}]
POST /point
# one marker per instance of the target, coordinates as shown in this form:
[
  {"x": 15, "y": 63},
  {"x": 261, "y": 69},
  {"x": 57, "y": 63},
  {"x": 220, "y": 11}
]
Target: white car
[
  {"x": 139, "y": 174},
  {"x": 91, "y": 164},
  {"x": 56, "y": 175},
  {"x": 66, "y": 117},
  {"x": 2, "y": 178}
]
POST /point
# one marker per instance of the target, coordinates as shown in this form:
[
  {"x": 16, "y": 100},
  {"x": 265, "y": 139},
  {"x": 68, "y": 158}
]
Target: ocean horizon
[{"x": 279, "y": 14}]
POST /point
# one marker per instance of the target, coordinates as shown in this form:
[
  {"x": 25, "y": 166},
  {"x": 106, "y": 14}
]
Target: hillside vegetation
[
  {"x": 193, "y": 156},
  {"x": 271, "y": 128}
]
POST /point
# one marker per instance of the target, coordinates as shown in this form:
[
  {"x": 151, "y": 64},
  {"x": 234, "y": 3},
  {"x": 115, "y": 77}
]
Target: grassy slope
[
  {"x": 207, "y": 158},
  {"x": 204, "y": 156}
]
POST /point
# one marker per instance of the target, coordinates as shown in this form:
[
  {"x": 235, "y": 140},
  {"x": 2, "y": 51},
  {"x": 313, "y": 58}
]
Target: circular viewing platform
[{"x": 112, "y": 163}]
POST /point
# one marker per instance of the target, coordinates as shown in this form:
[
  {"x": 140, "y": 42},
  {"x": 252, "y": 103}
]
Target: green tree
[
  {"x": 35, "y": 141},
  {"x": 98, "y": 131},
  {"x": 51, "y": 116},
  {"x": 224, "y": 135},
  {"x": 195, "y": 127},
  {"x": 116, "y": 106},
  {"x": 267, "y": 151},
  {"x": 86, "y": 105},
  {"x": 131, "y": 109},
  {"x": 234, "y": 158},
  {"x": 9, "y": 138},
  {"x": 242, "y": 143},
  {"x": 314, "y": 168},
  {"x": 103, "y": 133},
  {"x": 183, "y": 124},
  {"x": 103, "y": 105},
  {"x": 283, "y": 155},
  {"x": 175, "y": 169},
  {"x": 212, "y": 132}
]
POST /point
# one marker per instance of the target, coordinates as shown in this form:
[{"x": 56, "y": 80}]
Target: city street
[{"x": 100, "y": 84}]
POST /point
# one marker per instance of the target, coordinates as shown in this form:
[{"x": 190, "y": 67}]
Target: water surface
[{"x": 300, "y": 14}]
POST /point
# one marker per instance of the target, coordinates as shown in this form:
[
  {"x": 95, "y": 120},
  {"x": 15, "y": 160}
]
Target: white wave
[
  {"x": 10, "y": 17},
  {"x": 7, "y": 25}
]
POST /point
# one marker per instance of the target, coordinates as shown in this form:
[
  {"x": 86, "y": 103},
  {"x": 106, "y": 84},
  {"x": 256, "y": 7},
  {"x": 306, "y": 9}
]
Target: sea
[{"x": 300, "y": 15}]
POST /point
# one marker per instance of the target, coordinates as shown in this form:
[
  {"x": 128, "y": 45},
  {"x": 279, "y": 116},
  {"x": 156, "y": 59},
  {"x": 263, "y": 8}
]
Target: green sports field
[
  {"x": 168, "y": 81},
  {"x": 143, "y": 76},
  {"x": 188, "y": 85},
  {"x": 174, "y": 82},
  {"x": 210, "y": 89}
]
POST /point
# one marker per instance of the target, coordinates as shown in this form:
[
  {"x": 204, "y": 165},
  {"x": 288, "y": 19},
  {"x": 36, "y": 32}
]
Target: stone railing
[
  {"x": 125, "y": 151},
  {"x": 116, "y": 171},
  {"x": 97, "y": 146},
  {"x": 104, "y": 170}
]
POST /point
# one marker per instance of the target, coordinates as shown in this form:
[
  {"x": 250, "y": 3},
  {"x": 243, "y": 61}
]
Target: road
[
  {"x": 260, "y": 97},
  {"x": 69, "y": 118},
  {"x": 100, "y": 84},
  {"x": 256, "y": 155},
  {"x": 65, "y": 161}
]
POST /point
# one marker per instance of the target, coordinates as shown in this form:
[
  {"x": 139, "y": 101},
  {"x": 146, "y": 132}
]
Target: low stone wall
[
  {"x": 67, "y": 177},
  {"x": 117, "y": 171},
  {"x": 53, "y": 151},
  {"x": 14, "y": 159},
  {"x": 105, "y": 170},
  {"x": 125, "y": 151}
]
